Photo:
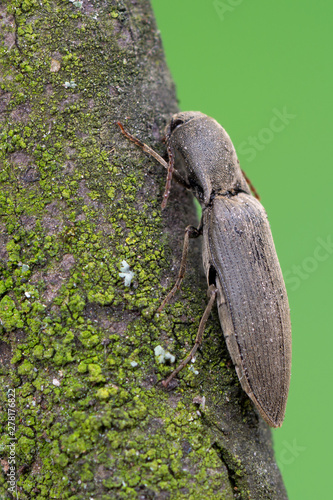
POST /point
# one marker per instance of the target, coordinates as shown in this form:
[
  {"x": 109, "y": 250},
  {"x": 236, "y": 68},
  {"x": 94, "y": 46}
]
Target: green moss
[
  {"x": 103, "y": 393},
  {"x": 10, "y": 316},
  {"x": 61, "y": 460},
  {"x": 69, "y": 337},
  {"x": 88, "y": 339},
  {"x": 38, "y": 352},
  {"x": 62, "y": 357},
  {"x": 26, "y": 447},
  {"x": 48, "y": 353},
  {"x": 95, "y": 373},
  {"x": 26, "y": 368},
  {"x": 26, "y": 390},
  {"x": 17, "y": 356},
  {"x": 82, "y": 367}
]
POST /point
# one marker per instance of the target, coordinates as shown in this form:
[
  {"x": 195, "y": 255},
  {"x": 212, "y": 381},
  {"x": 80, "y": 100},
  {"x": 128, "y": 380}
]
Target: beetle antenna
[
  {"x": 169, "y": 166},
  {"x": 253, "y": 189},
  {"x": 171, "y": 170}
]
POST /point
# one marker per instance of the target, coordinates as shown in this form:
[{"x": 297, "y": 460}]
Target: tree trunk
[{"x": 83, "y": 412}]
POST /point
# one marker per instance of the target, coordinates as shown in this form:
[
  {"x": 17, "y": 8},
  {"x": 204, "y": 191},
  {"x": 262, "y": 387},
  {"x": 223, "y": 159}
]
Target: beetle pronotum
[{"x": 239, "y": 258}]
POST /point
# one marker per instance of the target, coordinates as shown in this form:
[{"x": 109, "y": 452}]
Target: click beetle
[{"x": 239, "y": 258}]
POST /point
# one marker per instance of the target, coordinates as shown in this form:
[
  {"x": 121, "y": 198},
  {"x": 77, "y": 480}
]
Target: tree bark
[{"x": 78, "y": 366}]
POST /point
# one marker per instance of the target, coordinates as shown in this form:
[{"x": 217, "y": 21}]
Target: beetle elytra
[{"x": 239, "y": 258}]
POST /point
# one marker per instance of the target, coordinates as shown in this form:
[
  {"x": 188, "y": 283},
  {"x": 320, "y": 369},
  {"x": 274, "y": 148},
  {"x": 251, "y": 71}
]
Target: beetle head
[{"x": 180, "y": 119}]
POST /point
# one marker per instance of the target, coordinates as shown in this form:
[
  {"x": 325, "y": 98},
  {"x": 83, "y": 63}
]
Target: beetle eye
[{"x": 174, "y": 124}]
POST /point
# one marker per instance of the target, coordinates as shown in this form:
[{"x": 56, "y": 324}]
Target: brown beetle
[{"x": 239, "y": 258}]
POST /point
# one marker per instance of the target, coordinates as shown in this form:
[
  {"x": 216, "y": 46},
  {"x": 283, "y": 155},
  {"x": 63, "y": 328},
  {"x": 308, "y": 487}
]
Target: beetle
[{"x": 239, "y": 259}]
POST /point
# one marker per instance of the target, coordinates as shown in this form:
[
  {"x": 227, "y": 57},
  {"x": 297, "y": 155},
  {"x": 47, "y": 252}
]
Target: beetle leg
[
  {"x": 212, "y": 292},
  {"x": 190, "y": 232},
  {"x": 169, "y": 166}
]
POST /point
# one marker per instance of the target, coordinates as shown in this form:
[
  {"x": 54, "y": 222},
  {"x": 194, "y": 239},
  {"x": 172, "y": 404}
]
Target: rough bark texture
[{"x": 77, "y": 345}]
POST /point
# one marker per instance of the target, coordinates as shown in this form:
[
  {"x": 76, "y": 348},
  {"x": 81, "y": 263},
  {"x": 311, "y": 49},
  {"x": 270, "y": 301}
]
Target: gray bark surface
[{"x": 77, "y": 346}]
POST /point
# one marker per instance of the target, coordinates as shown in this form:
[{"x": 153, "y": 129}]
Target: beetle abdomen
[{"x": 254, "y": 311}]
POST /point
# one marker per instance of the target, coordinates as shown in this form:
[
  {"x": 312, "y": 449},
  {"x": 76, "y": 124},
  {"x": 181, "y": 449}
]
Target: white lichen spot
[
  {"x": 126, "y": 273},
  {"x": 170, "y": 357},
  {"x": 70, "y": 85},
  {"x": 56, "y": 382},
  {"x": 134, "y": 363},
  {"x": 27, "y": 294},
  {"x": 163, "y": 355},
  {"x": 77, "y": 3},
  {"x": 158, "y": 350},
  {"x": 193, "y": 370}
]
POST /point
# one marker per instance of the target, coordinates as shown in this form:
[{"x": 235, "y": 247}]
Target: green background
[{"x": 242, "y": 63}]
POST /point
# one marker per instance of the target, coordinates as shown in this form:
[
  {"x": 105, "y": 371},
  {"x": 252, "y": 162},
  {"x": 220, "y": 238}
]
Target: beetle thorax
[{"x": 205, "y": 156}]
